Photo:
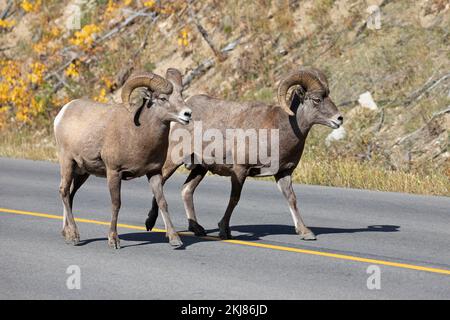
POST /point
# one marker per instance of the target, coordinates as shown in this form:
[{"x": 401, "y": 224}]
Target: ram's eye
[
  {"x": 163, "y": 99},
  {"x": 316, "y": 100}
]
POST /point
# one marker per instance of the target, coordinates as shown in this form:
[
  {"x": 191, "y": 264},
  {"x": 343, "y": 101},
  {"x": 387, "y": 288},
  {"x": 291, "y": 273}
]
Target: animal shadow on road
[
  {"x": 247, "y": 232},
  {"x": 146, "y": 238},
  {"x": 256, "y": 232}
]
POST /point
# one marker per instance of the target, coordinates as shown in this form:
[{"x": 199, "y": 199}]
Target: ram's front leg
[
  {"x": 156, "y": 186},
  {"x": 284, "y": 181}
]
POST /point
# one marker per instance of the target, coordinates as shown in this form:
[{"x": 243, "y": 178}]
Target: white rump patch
[{"x": 60, "y": 114}]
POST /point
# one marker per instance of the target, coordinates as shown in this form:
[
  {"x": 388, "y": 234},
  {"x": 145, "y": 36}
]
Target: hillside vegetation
[{"x": 239, "y": 50}]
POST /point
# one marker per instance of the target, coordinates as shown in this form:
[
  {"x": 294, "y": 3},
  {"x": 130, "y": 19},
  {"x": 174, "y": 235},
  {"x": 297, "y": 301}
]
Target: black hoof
[
  {"x": 197, "y": 229},
  {"x": 224, "y": 232},
  {"x": 225, "y": 235}
]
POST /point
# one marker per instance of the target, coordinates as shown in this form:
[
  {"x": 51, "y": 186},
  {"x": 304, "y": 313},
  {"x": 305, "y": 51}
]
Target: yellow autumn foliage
[
  {"x": 111, "y": 7},
  {"x": 5, "y": 24},
  {"x": 101, "y": 97},
  {"x": 109, "y": 84},
  {"x": 85, "y": 37},
  {"x": 17, "y": 91},
  {"x": 183, "y": 38},
  {"x": 37, "y": 73},
  {"x": 31, "y": 6},
  {"x": 149, "y": 4},
  {"x": 72, "y": 70}
]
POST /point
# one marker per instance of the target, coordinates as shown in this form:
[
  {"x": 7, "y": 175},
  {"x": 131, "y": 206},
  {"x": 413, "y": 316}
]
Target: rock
[
  {"x": 283, "y": 52},
  {"x": 335, "y": 135},
  {"x": 374, "y": 18},
  {"x": 366, "y": 101}
]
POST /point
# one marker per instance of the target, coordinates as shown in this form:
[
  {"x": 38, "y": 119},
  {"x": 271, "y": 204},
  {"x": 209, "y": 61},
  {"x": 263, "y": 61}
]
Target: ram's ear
[
  {"x": 137, "y": 114},
  {"x": 175, "y": 77},
  {"x": 297, "y": 97},
  {"x": 146, "y": 101}
]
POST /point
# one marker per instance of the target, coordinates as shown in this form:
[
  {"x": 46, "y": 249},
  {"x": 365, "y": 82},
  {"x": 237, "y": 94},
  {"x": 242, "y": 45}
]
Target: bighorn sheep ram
[
  {"x": 119, "y": 142},
  {"x": 308, "y": 103}
]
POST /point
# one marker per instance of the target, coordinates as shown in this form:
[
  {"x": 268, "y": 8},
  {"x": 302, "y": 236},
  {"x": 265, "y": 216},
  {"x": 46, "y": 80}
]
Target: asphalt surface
[{"x": 392, "y": 227}]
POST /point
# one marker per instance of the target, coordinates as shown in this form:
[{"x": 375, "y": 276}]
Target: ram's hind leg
[
  {"x": 237, "y": 182},
  {"x": 78, "y": 181},
  {"x": 187, "y": 193},
  {"x": 70, "y": 230}
]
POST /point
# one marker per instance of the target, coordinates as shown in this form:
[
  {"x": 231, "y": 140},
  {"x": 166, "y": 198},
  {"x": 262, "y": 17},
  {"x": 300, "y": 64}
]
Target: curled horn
[
  {"x": 150, "y": 80},
  {"x": 310, "y": 79}
]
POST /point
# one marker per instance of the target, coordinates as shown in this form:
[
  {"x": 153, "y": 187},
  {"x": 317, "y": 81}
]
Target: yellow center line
[{"x": 248, "y": 243}]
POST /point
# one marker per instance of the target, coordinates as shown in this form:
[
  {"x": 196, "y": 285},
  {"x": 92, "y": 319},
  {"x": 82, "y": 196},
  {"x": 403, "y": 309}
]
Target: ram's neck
[
  {"x": 151, "y": 136},
  {"x": 293, "y": 133},
  {"x": 303, "y": 122}
]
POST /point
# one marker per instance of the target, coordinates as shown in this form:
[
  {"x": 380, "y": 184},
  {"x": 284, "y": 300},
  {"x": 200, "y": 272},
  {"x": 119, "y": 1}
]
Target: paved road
[{"x": 389, "y": 227}]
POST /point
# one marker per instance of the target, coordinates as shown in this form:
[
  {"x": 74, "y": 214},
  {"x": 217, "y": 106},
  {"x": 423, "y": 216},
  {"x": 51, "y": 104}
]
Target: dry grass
[
  {"x": 28, "y": 144},
  {"x": 349, "y": 173}
]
